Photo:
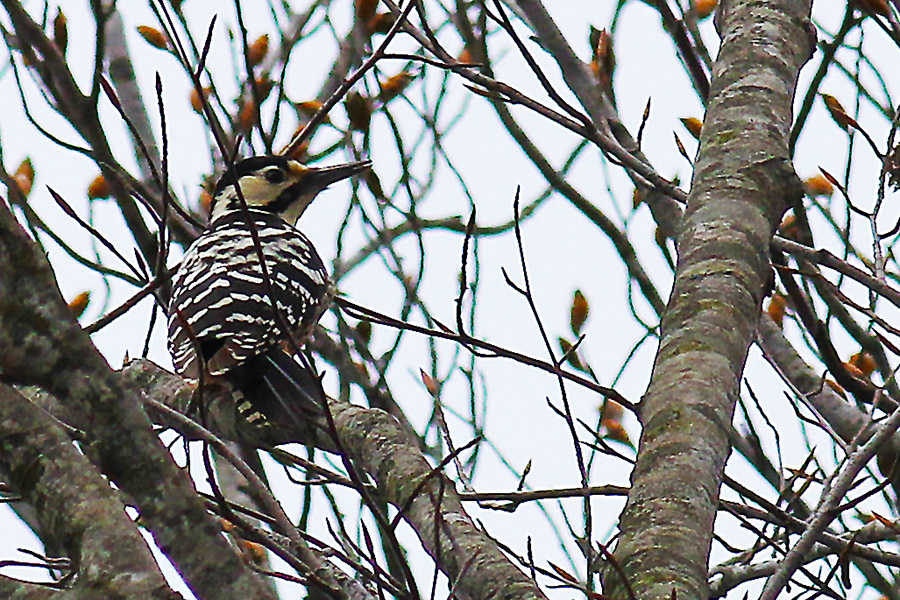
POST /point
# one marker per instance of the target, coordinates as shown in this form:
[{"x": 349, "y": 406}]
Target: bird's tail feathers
[{"x": 277, "y": 389}]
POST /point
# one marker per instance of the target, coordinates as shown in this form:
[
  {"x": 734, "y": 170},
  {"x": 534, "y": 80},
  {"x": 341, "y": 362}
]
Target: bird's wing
[{"x": 223, "y": 305}]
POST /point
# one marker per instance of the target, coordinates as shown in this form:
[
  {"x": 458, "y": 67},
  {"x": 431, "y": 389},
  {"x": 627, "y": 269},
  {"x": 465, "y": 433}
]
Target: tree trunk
[{"x": 743, "y": 182}]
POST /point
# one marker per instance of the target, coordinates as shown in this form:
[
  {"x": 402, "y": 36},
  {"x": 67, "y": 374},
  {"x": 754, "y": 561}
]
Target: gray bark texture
[
  {"x": 377, "y": 443},
  {"x": 743, "y": 181},
  {"x": 76, "y": 506},
  {"x": 45, "y": 346}
]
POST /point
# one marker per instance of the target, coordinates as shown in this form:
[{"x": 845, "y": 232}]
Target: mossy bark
[{"x": 743, "y": 181}]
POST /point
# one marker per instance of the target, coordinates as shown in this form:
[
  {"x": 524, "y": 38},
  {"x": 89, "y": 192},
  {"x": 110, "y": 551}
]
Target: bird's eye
[{"x": 274, "y": 175}]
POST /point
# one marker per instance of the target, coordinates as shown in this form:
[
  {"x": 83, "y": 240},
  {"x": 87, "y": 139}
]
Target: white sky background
[{"x": 564, "y": 251}]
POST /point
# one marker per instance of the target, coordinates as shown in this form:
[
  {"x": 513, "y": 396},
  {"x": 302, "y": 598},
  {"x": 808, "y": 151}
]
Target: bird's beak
[{"x": 320, "y": 178}]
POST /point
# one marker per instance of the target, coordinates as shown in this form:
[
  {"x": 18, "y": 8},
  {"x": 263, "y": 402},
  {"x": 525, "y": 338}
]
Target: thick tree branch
[
  {"x": 743, "y": 181},
  {"x": 383, "y": 449},
  {"x": 45, "y": 346},
  {"x": 20, "y": 590},
  {"x": 76, "y": 506},
  {"x": 843, "y": 417}
]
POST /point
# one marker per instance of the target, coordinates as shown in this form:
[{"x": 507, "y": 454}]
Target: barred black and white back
[
  {"x": 221, "y": 302},
  {"x": 222, "y": 321}
]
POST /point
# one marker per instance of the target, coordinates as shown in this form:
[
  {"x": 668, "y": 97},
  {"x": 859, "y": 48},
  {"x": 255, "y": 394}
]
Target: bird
[{"x": 221, "y": 319}]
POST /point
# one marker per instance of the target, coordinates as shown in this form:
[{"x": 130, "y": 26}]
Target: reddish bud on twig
[
  {"x": 359, "y": 111},
  {"x": 153, "y": 36},
  {"x": 818, "y": 185},
  {"x": 579, "y": 312},
  {"x": 693, "y": 125},
  {"x": 98, "y": 188},
  {"x": 865, "y": 362},
  {"x": 395, "y": 85},
  {"x": 430, "y": 384},
  {"x": 24, "y": 176},
  {"x": 79, "y": 303},
  {"x": 704, "y": 8},
  {"x": 838, "y": 113},
  {"x": 60, "y": 32},
  {"x": 776, "y": 308},
  {"x": 197, "y": 100},
  {"x": 258, "y": 50}
]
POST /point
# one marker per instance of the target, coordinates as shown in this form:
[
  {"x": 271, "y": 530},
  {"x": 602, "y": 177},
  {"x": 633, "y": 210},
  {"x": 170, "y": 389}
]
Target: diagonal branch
[
  {"x": 45, "y": 346},
  {"x": 76, "y": 506},
  {"x": 402, "y": 476}
]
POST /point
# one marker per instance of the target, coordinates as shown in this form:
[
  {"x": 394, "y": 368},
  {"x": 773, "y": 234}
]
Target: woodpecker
[{"x": 221, "y": 318}]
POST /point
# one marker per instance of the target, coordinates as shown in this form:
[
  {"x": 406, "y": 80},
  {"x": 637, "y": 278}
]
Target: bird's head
[{"x": 276, "y": 184}]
